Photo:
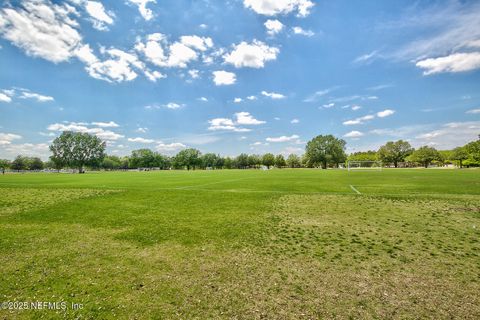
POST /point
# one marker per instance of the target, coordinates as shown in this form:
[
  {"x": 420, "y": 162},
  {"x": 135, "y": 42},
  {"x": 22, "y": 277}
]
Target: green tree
[
  {"x": 268, "y": 160},
  {"x": 294, "y": 161},
  {"x": 242, "y": 161},
  {"x": 228, "y": 163},
  {"x": 280, "y": 161},
  {"x": 19, "y": 163},
  {"x": 363, "y": 156},
  {"x": 4, "y": 165},
  {"x": 189, "y": 158},
  {"x": 324, "y": 150},
  {"x": 473, "y": 150},
  {"x": 460, "y": 154},
  {"x": 142, "y": 158},
  {"x": 77, "y": 149},
  {"x": 424, "y": 155},
  {"x": 111, "y": 163},
  {"x": 394, "y": 152},
  {"x": 254, "y": 161},
  {"x": 35, "y": 163},
  {"x": 209, "y": 160},
  {"x": 219, "y": 162}
]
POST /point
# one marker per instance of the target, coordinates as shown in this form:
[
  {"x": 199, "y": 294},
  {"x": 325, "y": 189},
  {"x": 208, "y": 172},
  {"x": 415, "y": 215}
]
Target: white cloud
[
  {"x": 180, "y": 55},
  {"x": 36, "y": 96},
  {"x": 242, "y": 118},
  {"x": 117, "y": 69},
  {"x": 385, "y": 113},
  {"x": 85, "y": 54},
  {"x": 294, "y": 121},
  {"x": 170, "y": 147},
  {"x": 194, "y": 73},
  {"x": 252, "y": 98},
  {"x": 5, "y": 98},
  {"x": 141, "y": 130},
  {"x": 42, "y": 29},
  {"x": 273, "y": 26},
  {"x": 301, "y": 31},
  {"x": 196, "y": 42},
  {"x": 246, "y": 118},
  {"x": 82, "y": 127},
  {"x": 456, "y": 62},
  {"x": 283, "y": 138},
  {"x": 275, "y": 7},
  {"x": 146, "y": 13},
  {"x": 172, "y": 105},
  {"x": 203, "y": 99},
  {"x": 473, "y": 111},
  {"x": 273, "y": 95},
  {"x": 99, "y": 15},
  {"x": 360, "y": 120},
  {"x": 109, "y": 124},
  {"x": 7, "y": 138},
  {"x": 356, "y": 107},
  {"x": 224, "y": 78},
  {"x": 328, "y": 105},
  {"x": 353, "y": 134},
  {"x": 449, "y": 135},
  {"x": 31, "y": 149},
  {"x": 237, "y": 100},
  {"x": 141, "y": 140},
  {"x": 319, "y": 94},
  {"x": 253, "y": 55},
  {"x": 366, "y": 58}
]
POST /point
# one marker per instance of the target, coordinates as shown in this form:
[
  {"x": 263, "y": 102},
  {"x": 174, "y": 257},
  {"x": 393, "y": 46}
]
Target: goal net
[{"x": 364, "y": 165}]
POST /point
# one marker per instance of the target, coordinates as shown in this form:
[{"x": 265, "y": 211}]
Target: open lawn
[{"x": 243, "y": 244}]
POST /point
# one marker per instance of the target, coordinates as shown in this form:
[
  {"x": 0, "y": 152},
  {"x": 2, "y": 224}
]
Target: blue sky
[{"x": 238, "y": 76}]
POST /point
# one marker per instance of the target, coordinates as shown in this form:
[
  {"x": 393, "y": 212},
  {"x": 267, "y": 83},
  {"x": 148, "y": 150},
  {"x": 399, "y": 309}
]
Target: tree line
[{"x": 79, "y": 150}]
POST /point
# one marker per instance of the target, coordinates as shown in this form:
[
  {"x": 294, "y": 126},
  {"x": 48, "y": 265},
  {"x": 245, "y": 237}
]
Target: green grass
[{"x": 279, "y": 244}]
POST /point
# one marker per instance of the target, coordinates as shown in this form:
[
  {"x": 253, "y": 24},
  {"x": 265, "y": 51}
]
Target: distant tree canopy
[
  {"x": 189, "y": 158},
  {"x": 424, "y": 155},
  {"x": 268, "y": 160},
  {"x": 363, "y": 156},
  {"x": 294, "y": 161},
  {"x": 325, "y": 150},
  {"x": 394, "y": 152},
  {"x": 77, "y": 149}
]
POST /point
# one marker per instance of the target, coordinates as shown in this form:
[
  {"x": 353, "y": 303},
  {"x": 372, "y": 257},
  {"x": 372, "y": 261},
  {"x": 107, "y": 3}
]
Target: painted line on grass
[
  {"x": 353, "y": 188},
  {"x": 210, "y": 183}
]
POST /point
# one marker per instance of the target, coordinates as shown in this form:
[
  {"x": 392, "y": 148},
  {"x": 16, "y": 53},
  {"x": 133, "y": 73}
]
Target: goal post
[{"x": 364, "y": 165}]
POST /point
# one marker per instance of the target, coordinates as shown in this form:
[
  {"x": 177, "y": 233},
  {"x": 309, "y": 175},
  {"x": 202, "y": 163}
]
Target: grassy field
[{"x": 233, "y": 244}]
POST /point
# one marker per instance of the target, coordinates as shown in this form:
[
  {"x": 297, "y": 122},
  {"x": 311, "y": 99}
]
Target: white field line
[
  {"x": 207, "y": 184},
  {"x": 353, "y": 188}
]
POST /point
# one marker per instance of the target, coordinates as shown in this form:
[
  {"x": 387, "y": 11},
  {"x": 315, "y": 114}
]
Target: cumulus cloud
[
  {"x": 5, "y": 96},
  {"x": 203, "y": 99},
  {"x": 283, "y": 138},
  {"x": 170, "y": 147},
  {"x": 42, "y": 29},
  {"x": 295, "y": 121},
  {"x": 252, "y": 55},
  {"x": 273, "y": 26},
  {"x": 196, "y": 42},
  {"x": 7, "y": 138},
  {"x": 36, "y": 96},
  {"x": 141, "y": 140},
  {"x": 276, "y": 7},
  {"x": 237, "y": 100},
  {"x": 456, "y": 62},
  {"x": 385, "y": 113},
  {"x": 247, "y": 119},
  {"x": 84, "y": 128},
  {"x": 252, "y": 98},
  {"x": 273, "y": 95},
  {"x": 242, "y": 118},
  {"x": 303, "y": 32},
  {"x": 146, "y": 13},
  {"x": 224, "y": 78},
  {"x": 109, "y": 124},
  {"x": 449, "y": 135},
  {"x": 360, "y": 120},
  {"x": 100, "y": 17},
  {"x": 353, "y": 134}
]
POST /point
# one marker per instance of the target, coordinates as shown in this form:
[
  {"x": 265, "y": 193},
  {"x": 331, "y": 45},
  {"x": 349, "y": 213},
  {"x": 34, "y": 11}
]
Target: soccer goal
[{"x": 364, "y": 165}]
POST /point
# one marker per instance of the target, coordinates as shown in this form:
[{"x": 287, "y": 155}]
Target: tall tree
[
  {"x": 425, "y": 155},
  {"x": 35, "y": 163},
  {"x": 254, "y": 161},
  {"x": 19, "y": 163},
  {"x": 77, "y": 149},
  {"x": 460, "y": 154},
  {"x": 242, "y": 161},
  {"x": 209, "y": 160},
  {"x": 4, "y": 164},
  {"x": 324, "y": 150},
  {"x": 280, "y": 161},
  {"x": 293, "y": 161},
  {"x": 473, "y": 149},
  {"x": 268, "y": 160},
  {"x": 142, "y": 158},
  {"x": 394, "y": 152},
  {"x": 189, "y": 158}
]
